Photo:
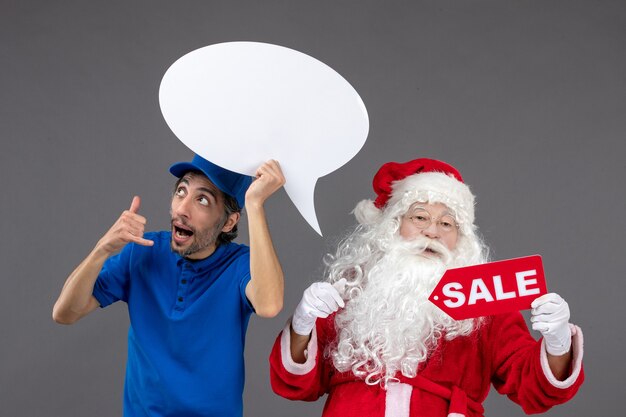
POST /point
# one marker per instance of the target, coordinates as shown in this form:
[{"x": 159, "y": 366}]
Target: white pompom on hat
[{"x": 423, "y": 179}]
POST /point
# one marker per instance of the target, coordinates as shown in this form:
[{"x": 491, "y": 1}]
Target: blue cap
[{"x": 228, "y": 182}]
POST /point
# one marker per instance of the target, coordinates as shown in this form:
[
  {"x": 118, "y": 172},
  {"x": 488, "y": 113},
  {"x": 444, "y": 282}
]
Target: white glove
[
  {"x": 550, "y": 316},
  {"x": 321, "y": 299}
]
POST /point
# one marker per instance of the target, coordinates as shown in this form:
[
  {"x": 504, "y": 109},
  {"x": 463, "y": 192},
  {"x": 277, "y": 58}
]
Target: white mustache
[{"x": 418, "y": 245}]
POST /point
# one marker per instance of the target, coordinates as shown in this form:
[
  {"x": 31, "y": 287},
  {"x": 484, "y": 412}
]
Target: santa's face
[{"x": 433, "y": 221}]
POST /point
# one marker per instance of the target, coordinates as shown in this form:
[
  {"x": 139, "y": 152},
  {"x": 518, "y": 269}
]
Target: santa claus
[{"x": 370, "y": 339}]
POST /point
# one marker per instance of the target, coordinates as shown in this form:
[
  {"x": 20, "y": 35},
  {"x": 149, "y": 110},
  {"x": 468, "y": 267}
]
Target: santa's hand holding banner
[{"x": 370, "y": 338}]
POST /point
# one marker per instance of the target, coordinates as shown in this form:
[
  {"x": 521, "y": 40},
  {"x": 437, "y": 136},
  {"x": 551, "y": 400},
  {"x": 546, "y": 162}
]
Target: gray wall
[{"x": 526, "y": 98}]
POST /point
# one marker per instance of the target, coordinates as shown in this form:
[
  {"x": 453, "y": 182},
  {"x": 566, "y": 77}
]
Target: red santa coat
[{"x": 453, "y": 382}]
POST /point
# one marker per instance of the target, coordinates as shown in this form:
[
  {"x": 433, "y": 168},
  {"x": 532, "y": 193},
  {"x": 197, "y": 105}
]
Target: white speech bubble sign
[{"x": 239, "y": 104}]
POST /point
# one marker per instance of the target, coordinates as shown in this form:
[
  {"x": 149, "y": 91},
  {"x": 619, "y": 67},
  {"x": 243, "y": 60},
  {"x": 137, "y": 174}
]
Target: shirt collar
[{"x": 206, "y": 263}]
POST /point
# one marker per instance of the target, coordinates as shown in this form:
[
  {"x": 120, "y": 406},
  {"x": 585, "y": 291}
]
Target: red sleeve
[
  {"x": 520, "y": 366},
  {"x": 294, "y": 381}
]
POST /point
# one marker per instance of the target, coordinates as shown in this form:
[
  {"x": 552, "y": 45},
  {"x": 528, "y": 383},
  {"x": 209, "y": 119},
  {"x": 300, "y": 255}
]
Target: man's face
[
  {"x": 441, "y": 218},
  {"x": 198, "y": 216}
]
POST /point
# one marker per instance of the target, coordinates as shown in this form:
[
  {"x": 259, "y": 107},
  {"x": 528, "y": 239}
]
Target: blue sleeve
[
  {"x": 243, "y": 270},
  {"x": 113, "y": 280}
]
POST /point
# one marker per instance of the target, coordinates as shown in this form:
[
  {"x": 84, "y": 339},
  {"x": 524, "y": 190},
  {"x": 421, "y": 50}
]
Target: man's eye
[
  {"x": 204, "y": 201},
  {"x": 180, "y": 192},
  {"x": 421, "y": 218}
]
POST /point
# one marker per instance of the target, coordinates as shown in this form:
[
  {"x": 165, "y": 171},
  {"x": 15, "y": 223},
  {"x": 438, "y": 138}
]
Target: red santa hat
[{"x": 423, "y": 179}]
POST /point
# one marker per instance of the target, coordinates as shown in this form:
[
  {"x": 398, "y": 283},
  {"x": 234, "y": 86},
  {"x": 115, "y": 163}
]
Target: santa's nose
[{"x": 431, "y": 231}]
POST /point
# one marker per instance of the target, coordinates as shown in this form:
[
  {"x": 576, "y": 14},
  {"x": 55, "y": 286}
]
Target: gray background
[{"x": 526, "y": 98}]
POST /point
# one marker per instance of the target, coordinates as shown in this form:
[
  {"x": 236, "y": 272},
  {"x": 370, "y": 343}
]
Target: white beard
[{"x": 388, "y": 324}]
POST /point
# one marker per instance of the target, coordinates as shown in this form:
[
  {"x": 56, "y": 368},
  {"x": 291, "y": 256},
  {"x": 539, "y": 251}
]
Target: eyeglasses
[{"x": 422, "y": 220}]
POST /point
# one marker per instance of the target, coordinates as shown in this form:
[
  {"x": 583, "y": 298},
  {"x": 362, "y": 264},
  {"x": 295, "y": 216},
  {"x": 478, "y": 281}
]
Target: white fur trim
[
  {"x": 366, "y": 212},
  {"x": 436, "y": 187},
  {"x": 285, "y": 352},
  {"x": 577, "y": 348},
  {"x": 398, "y": 400},
  {"x": 456, "y": 415}
]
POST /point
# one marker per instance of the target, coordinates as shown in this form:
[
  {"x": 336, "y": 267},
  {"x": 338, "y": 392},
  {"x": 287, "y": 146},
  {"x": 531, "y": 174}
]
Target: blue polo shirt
[{"x": 188, "y": 322}]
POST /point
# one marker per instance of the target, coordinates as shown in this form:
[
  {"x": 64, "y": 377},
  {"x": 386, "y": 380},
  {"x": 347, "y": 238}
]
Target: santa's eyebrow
[
  {"x": 411, "y": 209},
  {"x": 446, "y": 212}
]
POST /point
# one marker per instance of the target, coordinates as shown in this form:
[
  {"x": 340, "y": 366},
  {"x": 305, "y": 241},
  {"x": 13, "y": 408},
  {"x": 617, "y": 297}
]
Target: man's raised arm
[
  {"x": 266, "y": 287},
  {"x": 76, "y": 299}
]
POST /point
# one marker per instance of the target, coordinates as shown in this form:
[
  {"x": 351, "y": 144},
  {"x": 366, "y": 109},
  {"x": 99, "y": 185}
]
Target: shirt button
[
  {"x": 180, "y": 298},
  {"x": 184, "y": 281}
]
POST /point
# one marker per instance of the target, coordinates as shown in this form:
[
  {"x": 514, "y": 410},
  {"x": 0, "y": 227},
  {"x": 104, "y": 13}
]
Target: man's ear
[{"x": 232, "y": 220}]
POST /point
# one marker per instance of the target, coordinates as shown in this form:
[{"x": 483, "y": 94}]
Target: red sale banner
[{"x": 491, "y": 288}]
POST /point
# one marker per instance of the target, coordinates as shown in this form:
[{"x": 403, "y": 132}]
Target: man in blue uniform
[{"x": 190, "y": 291}]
